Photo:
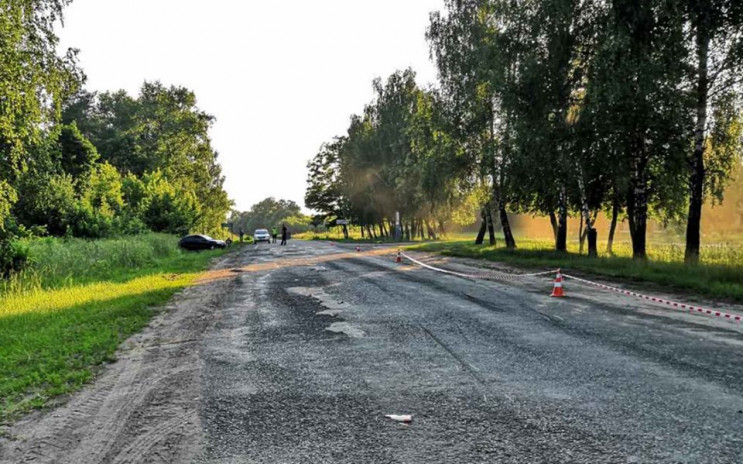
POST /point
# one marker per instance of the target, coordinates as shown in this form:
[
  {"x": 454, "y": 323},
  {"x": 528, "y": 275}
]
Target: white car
[{"x": 261, "y": 235}]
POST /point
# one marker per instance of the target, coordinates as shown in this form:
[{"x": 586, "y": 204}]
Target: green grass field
[
  {"x": 719, "y": 276},
  {"x": 76, "y": 303}
]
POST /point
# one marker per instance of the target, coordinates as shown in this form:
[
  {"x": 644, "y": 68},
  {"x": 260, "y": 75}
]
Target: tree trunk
[
  {"x": 586, "y": 224},
  {"x": 420, "y": 228},
  {"x": 561, "y": 242},
  {"x": 362, "y": 232},
  {"x": 553, "y": 223},
  {"x": 431, "y": 231},
  {"x": 592, "y": 245},
  {"x": 442, "y": 230},
  {"x": 696, "y": 181},
  {"x": 491, "y": 227},
  {"x": 581, "y": 235},
  {"x": 506, "y": 225},
  {"x": 637, "y": 208},
  {"x": 407, "y": 231},
  {"x": 613, "y": 226},
  {"x": 345, "y": 231},
  {"x": 483, "y": 227}
]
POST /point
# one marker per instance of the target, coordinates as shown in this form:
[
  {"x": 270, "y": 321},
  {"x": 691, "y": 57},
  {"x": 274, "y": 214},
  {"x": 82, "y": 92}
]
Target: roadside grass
[
  {"x": 78, "y": 301},
  {"x": 718, "y": 276}
]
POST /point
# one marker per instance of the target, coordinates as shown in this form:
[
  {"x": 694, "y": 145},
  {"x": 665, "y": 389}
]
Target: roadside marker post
[
  {"x": 557, "y": 289},
  {"x": 399, "y": 257},
  {"x": 358, "y": 248}
]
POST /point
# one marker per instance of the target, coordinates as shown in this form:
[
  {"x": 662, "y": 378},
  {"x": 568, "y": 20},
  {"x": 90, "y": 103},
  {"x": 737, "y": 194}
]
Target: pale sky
[{"x": 281, "y": 77}]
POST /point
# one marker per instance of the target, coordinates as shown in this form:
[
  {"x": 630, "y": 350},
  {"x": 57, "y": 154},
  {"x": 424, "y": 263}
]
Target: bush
[
  {"x": 86, "y": 222},
  {"x": 13, "y": 257},
  {"x": 46, "y": 200}
]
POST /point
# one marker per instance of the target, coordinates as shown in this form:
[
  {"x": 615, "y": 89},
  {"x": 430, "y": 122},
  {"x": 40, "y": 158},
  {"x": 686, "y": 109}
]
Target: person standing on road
[
  {"x": 274, "y": 233},
  {"x": 283, "y": 234}
]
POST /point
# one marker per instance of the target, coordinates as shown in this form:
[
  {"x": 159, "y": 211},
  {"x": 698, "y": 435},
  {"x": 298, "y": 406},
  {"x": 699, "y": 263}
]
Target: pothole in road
[
  {"x": 346, "y": 328},
  {"x": 334, "y": 307}
]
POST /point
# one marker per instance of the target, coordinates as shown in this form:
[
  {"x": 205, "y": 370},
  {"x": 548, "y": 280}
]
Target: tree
[
  {"x": 46, "y": 200},
  {"x": 633, "y": 91},
  {"x": 33, "y": 82},
  {"x": 167, "y": 209},
  {"x": 716, "y": 43},
  {"x": 75, "y": 155},
  {"x": 268, "y": 213},
  {"x": 161, "y": 130},
  {"x": 470, "y": 69},
  {"x": 324, "y": 190}
]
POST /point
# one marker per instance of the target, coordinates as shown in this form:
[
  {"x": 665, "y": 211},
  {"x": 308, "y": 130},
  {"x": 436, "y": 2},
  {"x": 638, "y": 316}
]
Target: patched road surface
[{"x": 296, "y": 354}]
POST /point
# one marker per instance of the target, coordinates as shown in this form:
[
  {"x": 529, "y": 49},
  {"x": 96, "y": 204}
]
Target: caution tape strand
[
  {"x": 655, "y": 299},
  {"x": 485, "y": 276},
  {"x": 508, "y": 276}
]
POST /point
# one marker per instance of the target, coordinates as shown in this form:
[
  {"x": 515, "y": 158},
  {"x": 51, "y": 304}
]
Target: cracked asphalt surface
[
  {"x": 490, "y": 372},
  {"x": 311, "y": 345}
]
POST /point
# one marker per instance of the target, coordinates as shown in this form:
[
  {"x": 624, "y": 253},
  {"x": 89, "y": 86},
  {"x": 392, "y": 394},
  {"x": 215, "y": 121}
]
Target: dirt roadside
[{"x": 142, "y": 408}]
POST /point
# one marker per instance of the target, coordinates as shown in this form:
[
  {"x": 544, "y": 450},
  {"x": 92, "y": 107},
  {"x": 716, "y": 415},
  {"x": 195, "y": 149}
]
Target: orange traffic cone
[
  {"x": 557, "y": 290},
  {"x": 399, "y": 257}
]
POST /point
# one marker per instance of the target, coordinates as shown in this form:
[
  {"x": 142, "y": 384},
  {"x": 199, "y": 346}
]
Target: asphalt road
[
  {"x": 295, "y": 354},
  {"x": 306, "y": 361}
]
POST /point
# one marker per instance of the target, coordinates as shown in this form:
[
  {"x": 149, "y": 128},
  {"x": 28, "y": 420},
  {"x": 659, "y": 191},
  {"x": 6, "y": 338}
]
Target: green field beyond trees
[{"x": 77, "y": 301}]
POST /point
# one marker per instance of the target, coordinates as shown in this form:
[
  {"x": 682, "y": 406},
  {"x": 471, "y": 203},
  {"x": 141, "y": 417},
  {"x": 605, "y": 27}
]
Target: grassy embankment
[
  {"x": 718, "y": 276},
  {"x": 76, "y": 303}
]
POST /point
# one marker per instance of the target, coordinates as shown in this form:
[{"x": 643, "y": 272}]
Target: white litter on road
[{"x": 406, "y": 418}]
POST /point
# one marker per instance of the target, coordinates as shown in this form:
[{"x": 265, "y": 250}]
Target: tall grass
[
  {"x": 56, "y": 263},
  {"x": 75, "y": 303}
]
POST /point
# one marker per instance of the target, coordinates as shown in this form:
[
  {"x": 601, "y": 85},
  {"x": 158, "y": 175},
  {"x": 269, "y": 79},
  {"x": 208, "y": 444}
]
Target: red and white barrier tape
[
  {"x": 506, "y": 276},
  {"x": 495, "y": 275},
  {"x": 674, "y": 304}
]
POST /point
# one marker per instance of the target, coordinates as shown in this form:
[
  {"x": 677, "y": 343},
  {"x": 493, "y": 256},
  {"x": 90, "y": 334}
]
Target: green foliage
[
  {"x": 46, "y": 200},
  {"x": 88, "y": 165},
  {"x": 34, "y": 78},
  {"x": 161, "y": 131},
  {"x": 105, "y": 191},
  {"x": 165, "y": 208},
  {"x": 75, "y": 154}
]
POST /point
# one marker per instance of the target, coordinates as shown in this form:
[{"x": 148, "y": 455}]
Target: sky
[{"x": 281, "y": 78}]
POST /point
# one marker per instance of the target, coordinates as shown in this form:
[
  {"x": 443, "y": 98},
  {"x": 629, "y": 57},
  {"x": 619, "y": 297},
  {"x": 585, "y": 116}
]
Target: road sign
[{"x": 341, "y": 222}]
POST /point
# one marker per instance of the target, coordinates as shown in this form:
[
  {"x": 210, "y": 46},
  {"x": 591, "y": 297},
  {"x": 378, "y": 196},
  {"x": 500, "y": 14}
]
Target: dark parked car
[{"x": 200, "y": 242}]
